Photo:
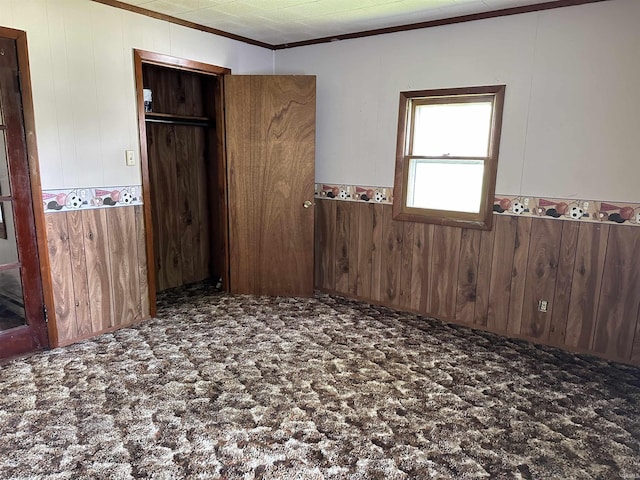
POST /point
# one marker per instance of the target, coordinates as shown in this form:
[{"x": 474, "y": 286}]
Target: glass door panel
[
  {"x": 11, "y": 299},
  {"x": 12, "y": 312}
]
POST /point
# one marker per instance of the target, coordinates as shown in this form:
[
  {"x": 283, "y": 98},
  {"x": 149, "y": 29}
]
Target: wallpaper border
[
  {"x": 623, "y": 213},
  {"x": 89, "y": 198}
]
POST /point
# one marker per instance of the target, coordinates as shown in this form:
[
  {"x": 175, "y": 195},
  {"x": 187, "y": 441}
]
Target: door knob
[{"x": 307, "y": 203}]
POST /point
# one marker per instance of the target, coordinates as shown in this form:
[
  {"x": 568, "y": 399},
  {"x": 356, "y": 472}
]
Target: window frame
[{"x": 408, "y": 100}]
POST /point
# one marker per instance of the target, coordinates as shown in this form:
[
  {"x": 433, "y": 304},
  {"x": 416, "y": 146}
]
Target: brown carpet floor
[{"x": 238, "y": 387}]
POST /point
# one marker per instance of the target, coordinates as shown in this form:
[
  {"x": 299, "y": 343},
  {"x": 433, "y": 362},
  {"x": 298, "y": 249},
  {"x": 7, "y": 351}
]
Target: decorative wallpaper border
[
  {"x": 66, "y": 199},
  {"x": 355, "y": 193},
  {"x": 519, "y": 205}
]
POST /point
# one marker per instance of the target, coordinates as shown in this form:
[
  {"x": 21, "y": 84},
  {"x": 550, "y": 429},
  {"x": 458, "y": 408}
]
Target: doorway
[
  {"x": 23, "y": 325},
  {"x": 183, "y": 170}
]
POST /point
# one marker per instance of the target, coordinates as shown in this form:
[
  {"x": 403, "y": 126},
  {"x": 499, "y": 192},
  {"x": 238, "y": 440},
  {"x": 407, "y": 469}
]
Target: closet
[
  {"x": 227, "y": 177},
  {"x": 182, "y": 149}
]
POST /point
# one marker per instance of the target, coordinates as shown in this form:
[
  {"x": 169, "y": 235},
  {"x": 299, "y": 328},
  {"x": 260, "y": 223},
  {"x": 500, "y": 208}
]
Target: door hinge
[
  {"x": 19, "y": 80},
  {"x": 46, "y": 316}
]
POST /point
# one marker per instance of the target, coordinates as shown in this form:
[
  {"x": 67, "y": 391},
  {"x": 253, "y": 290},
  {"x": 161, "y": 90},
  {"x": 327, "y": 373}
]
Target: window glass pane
[
  {"x": 11, "y": 299},
  {"x": 454, "y": 185},
  {"x": 456, "y": 129},
  {"x": 8, "y": 244},
  {"x": 4, "y": 167}
]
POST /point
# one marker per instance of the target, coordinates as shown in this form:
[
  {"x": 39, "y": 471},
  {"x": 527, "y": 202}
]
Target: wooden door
[
  {"x": 22, "y": 324},
  {"x": 270, "y": 145}
]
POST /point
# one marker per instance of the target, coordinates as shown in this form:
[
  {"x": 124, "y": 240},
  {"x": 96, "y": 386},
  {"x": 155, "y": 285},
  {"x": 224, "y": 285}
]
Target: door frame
[
  {"x": 28, "y": 117},
  {"x": 141, "y": 57}
]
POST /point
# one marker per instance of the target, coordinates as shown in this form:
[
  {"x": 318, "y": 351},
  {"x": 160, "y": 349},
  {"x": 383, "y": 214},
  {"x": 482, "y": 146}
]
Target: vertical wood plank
[
  {"x": 342, "y": 247},
  {"x": 164, "y": 196},
  {"x": 125, "y": 284},
  {"x": 483, "y": 284},
  {"x": 501, "y": 269},
  {"x": 325, "y": 238},
  {"x": 391, "y": 258},
  {"x": 406, "y": 264},
  {"x": 354, "y": 220},
  {"x": 79, "y": 273},
  {"x": 61, "y": 277},
  {"x": 365, "y": 249},
  {"x": 202, "y": 191},
  {"x": 96, "y": 245},
  {"x": 542, "y": 270},
  {"x": 421, "y": 267},
  {"x": 586, "y": 284},
  {"x": 377, "y": 251},
  {"x": 141, "y": 243},
  {"x": 519, "y": 274},
  {"x": 468, "y": 275},
  {"x": 566, "y": 262},
  {"x": 619, "y": 299},
  {"x": 444, "y": 265},
  {"x": 187, "y": 223}
]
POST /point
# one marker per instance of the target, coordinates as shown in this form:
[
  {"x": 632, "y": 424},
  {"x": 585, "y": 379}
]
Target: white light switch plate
[{"x": 131, "y": 159}]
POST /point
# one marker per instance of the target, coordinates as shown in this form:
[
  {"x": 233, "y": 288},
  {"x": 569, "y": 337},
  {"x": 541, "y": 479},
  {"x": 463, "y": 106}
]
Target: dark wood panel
[
  {"x": 61, "y": 277},
  {"x": 541, "y": 277},
  {"x": 501, "y": 271},
  {"x": 483, "y": 284},
  {"x": 421, "y": 267},
  {"x": 468, "y": 275},
  {"x": 392, "y": 237},
  {"x": 495, "y": 279},
  {"x": 619, "y": 299},
  {"x": 96, "y": 247},
  {"x": 79, "y": 269},
  {"x": 444, "y": 267},
  {"x": 406, "y": 264},
  {"x": 519, "y": 274},
  {"x": 586, "y": 285},
  {"x": 201, "y": 189},
  {"x": 364, "y": 249},
  {"x": 343, "y": 222},
  {"x": 125, "y": 285},
  {"x": 141, "y": 244},
  {"x": 564, "y": 278},
  {"x": 187, "y": 224},
  {"x": 325, "y": 244},
  {"x": 376, "y": 258},
  {"x": 354, "y": 221},
  {"x": 161, "y": 141}
]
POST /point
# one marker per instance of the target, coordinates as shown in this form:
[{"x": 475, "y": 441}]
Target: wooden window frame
[{"x": 408, "y": 100}]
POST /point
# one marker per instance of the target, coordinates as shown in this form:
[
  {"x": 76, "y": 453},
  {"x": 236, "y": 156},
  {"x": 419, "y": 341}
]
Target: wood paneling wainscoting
[
  {"x": 98, "y": 271},
  {"x": 493, "y": 280}
]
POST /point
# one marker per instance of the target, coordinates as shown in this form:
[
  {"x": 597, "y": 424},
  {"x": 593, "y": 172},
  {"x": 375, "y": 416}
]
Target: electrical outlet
[
  {"x": 130, "y": 157},
  {"x": 526, "y": 201},
  {"x": 585, "y": 206},
  {"x": 542, "y": 306}
]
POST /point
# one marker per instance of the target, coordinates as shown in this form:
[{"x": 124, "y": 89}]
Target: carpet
[{"x": 240, "y": 387}]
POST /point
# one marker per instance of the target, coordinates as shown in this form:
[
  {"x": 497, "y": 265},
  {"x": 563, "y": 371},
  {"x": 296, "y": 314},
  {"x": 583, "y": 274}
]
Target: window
[{"x": 447, "y": 155}]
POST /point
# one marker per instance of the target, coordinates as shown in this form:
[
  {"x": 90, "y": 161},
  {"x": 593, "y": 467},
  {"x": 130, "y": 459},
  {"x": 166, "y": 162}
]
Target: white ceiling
[{"x": 279, "y": 22}]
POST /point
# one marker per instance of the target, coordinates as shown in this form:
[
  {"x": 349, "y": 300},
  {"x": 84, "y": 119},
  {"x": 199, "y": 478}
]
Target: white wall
[
  {"x": 571, "y": 124},
  {"x": 81, "y": 56}
]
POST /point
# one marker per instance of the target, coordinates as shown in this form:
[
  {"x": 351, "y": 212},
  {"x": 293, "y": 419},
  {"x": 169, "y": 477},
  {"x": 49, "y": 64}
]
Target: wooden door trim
[
  {"x": 141, "y": 57},
  {"x": 20, "y": 38}
]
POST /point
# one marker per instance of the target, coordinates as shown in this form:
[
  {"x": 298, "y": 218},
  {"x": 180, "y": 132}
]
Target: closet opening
[{"x": 181, "y": 125}]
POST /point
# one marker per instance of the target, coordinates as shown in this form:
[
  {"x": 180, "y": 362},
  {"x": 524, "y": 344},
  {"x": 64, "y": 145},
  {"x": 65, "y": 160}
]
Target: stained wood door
[
  {"x": 21, "y": 299},
  {"x": 270, "y": 145}
]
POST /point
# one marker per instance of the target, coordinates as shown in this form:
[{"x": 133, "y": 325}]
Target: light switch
[{"x": 131, "y": 159}]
